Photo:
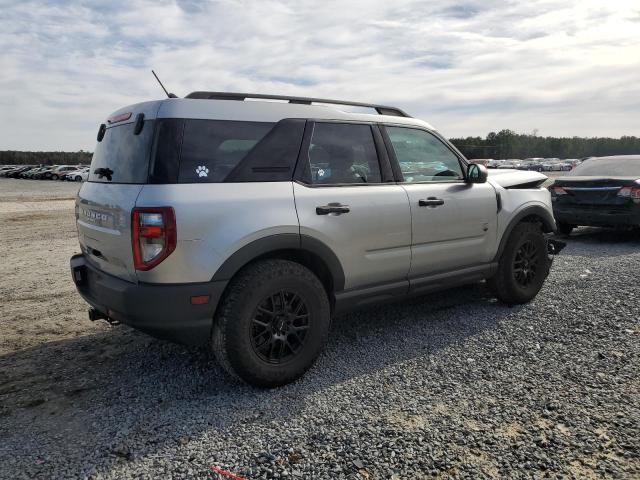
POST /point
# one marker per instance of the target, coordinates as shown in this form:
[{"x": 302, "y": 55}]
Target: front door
[
  {"x": 454, "y": 222},
  {"x": 342, "y": 201}
]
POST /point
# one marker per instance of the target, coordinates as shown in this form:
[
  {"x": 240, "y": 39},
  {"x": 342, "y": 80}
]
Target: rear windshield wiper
[{"x": 104, "y": 172}]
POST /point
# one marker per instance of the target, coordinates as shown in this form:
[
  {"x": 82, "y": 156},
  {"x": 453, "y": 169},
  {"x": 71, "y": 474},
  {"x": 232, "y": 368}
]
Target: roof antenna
[{"x": 170, "y": 95}]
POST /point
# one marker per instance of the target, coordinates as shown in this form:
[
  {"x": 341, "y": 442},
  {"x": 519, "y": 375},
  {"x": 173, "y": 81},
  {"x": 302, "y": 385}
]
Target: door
[
  {"x": 454, "y": 222},
  {"x": 342, "y": 201}
]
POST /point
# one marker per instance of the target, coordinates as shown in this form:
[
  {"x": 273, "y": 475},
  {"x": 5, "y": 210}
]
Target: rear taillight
[
  {"x": 153, "y": 235},
  {"x": 629, "y": 192},
  {"x": 558, "y": 191}
]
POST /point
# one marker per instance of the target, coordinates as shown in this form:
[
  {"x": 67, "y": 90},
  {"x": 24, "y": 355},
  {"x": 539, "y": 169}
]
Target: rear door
[
  {"x": 454, "y": 224},
  {"x": 119, "y": 169},
  {"x": 342, "y": 200}
]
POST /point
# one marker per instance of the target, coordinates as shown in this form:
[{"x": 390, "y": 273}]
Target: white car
[{"x": 79, "y": 175}]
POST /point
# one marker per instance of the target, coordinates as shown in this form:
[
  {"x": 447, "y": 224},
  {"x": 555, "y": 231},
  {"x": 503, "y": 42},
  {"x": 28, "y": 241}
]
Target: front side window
[
  {"x": 211, "y": 148},
  {"x": 342, "y": 153},
  {"x": 423, "y": 157}
]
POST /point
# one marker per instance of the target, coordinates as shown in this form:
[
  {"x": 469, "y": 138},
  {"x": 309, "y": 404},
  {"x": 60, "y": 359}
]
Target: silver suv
[{"x": 245, "y": 222}]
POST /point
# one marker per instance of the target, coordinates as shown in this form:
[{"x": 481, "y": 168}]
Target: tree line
[
  {"x": 504, "y": 144},
  {"x": 14, "y": 157},
  {"x": 509, "y": 144}
]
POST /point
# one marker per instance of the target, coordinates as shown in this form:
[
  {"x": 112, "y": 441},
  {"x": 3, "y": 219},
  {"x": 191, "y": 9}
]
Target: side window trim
[
  {"x": 386, "y": 169},
  {"x": 384, "y": 161},
  {"x": 395, "y": 165}
]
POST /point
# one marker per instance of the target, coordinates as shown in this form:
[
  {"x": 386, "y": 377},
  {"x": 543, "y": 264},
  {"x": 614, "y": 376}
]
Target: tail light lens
[
  {"x": 153, "y": 235},
  {"x": 558, "y": 191},
  {"x": 630, "y": 192}
]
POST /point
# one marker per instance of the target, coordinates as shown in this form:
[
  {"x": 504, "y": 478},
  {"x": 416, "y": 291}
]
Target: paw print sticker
[{"x": 202, "y": 171}]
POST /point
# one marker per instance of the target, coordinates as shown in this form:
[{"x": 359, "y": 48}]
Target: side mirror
[{"x": 477, "y": 173}]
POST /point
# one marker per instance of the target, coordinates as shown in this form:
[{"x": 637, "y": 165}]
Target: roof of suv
[{"x": 262, "y": 109}]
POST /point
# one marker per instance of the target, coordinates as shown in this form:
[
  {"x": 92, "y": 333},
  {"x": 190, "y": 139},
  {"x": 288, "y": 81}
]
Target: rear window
[
  {"x": 211, "y": 149},
  {"x": 123, "y": 155},
  {"x": 608, "y": 167}
]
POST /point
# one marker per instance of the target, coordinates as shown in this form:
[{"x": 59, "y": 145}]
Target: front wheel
[
  {"x": 272, "y": 323},
  {"x": 523, "y": 266},
  {"x": 54, "y": 177}
]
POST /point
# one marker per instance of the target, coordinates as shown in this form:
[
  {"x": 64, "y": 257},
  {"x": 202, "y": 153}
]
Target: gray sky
[{"x": 468, "y": 67}]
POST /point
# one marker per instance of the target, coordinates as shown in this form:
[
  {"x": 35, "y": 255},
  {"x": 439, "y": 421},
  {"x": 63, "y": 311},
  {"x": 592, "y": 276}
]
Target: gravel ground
[{"x": 452, "y": 385}]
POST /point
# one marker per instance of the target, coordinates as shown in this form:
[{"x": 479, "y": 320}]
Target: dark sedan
[
  {"x": 16, "y": 172},
  {"x": 601, "y": 192}
]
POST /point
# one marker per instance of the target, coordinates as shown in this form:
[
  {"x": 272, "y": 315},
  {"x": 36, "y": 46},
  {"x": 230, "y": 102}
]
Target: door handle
[
  {"x": 332, "y": 208},
  {"x": 431, "y": 202}
]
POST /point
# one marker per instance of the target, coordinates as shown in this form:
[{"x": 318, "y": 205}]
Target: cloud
[{"x": 468, "y": 67}]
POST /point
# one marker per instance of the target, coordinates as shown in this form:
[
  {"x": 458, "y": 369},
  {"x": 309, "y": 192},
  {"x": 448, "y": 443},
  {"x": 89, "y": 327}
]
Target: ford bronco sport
[{"x": 245, "y": 222}]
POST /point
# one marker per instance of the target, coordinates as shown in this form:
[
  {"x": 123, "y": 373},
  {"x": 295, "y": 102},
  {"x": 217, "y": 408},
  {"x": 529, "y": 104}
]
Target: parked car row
[
  {"x": 534, "y": 163},
  {"x": 73, "y": 173}
]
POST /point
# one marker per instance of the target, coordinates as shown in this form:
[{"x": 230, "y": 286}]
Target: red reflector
[
  {"x": 151, "y": 232},
  {"x": 120, "y": 118},
  {"x": 200, "y": 300}
]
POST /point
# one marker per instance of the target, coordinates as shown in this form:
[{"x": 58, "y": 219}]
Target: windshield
[
  {"x": 122, "y": 156},
  {"x": 608, "y": 167}
]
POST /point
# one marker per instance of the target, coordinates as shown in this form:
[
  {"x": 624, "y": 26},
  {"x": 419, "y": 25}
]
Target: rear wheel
[
  {"x": 78, "y": 178},
  {"x": 272, "y": 323},
  {"x": 565, "y": 228},
  {"x": 523, "y": 266},
  {"x": 54, "y": 177}
]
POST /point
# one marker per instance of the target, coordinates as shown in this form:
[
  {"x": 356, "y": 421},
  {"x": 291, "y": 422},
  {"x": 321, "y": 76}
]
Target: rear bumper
[
  {"x": 600, "y": 216},
  {"x": 163, "y": 311}
]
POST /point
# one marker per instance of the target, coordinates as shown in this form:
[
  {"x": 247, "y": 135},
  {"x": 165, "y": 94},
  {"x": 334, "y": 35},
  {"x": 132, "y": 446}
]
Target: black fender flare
[
  {"x": 282, "y": 241},
  {"x": 548, "y": 224}
]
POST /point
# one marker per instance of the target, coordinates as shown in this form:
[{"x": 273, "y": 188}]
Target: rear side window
[
  {"x": 342, "y": 153},
  {"x": 211, "y": 149},
  {"x": 122, "y": 155}
]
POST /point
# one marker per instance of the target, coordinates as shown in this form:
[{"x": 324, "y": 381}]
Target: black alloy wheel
[
  {"x": 526, "y": 263},
  {"x": 523, "y": 265},
  {"x": 272, "y": 323},
  {"x": 279, "y": 327}
]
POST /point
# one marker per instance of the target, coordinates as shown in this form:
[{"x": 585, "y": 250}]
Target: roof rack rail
[{"x": 381, "y": 109}]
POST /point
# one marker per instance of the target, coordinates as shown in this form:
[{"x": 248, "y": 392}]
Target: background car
[
  {"x": 59, "y": 172},
  {"x": 6, "y": 169},
  {"x": 602, "y": 192},
  {"x": 77, "y": 175},
  {"x": 15, "y": 173},
  {"x": 534, "y": 164},
  {"x": 43, "y": 172},
  {"x": 30, "y": 174}
]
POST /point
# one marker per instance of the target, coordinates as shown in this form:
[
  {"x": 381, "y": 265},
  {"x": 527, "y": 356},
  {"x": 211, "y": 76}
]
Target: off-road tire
[
  {"x": 505, "y": 284},
  {"x": 565, "y": 228},
  {"x": 232, "y": 337}
]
